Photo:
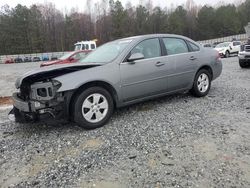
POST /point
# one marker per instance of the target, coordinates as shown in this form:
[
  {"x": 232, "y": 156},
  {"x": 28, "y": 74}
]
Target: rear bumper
[{"x": 217, "y": 69}]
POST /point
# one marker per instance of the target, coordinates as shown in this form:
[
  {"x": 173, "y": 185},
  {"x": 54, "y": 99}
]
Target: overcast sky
[{"x": 80, "y": 4}]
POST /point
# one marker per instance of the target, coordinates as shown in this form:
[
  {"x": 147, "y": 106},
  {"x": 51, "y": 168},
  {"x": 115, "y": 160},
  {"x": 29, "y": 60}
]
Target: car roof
[{"x": 153, "y": 35}]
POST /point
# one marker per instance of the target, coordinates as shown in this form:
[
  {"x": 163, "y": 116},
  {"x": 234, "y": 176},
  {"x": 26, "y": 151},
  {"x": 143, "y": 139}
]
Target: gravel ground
[
  {"x": 175, "y": 141},
  {"x": 10, "y": 72}
]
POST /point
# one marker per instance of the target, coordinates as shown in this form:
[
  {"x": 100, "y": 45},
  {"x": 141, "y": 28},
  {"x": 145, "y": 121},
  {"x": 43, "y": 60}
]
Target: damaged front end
[
  {"x": 37, "y": 99},
  {"x": 38, "y": 96}
]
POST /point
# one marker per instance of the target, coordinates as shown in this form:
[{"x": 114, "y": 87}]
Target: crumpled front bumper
[
  {"x": 20, "y": 104},
  {"x": 23, "y": 111},
  {"x": 22, "y": 117},
  {"x": 28, "y": 111},
  {"x": 26, "y": 106}
]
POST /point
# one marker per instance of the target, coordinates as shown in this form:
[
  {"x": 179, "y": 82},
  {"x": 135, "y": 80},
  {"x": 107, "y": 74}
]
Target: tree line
[{"x": 43, "y": 28}]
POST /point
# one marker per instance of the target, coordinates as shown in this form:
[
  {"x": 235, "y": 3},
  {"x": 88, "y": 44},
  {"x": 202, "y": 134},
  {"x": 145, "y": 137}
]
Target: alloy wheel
[
  {"x": 95, "y": 108},
  {"x": 203, "y": 82}
]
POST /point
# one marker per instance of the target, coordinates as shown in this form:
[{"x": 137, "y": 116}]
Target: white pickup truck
[
  {"x": 244, "y": 55},
  {"x": 225, "y": 49},
  {"x": 85, "y": 45}
]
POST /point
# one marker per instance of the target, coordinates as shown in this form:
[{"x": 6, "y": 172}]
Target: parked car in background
[
  {"x": 215, "y": 44},
  {"x": 9, "y": 61},
  {"x": 27, "y": 59},
  {"x": 244, "y": 55},
  {"x": 207, "y": 45},
  {"x": 36, "y": 59},
  {"x": 225, "y": 49},
  {"x": 45, "y": 58},
  {"x": 53, "y": 58},
  {"x": 116, "y": 74},
  {"x": 18, "y": 60},
  {"x": 71, "y": 57}
]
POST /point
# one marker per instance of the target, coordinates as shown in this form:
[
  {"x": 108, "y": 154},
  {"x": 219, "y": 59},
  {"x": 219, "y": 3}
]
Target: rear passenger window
[
  {"x": 150, "y": 48},
  {"x": 92, "y": 46},
  {"x": 236, "y": 43},
  {"x": 175, "y": 46},
  {"x": 195, "y": 48}
]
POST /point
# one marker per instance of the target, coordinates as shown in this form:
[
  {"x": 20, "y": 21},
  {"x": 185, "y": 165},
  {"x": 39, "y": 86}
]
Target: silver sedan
[{"x": 116, "y": 74}]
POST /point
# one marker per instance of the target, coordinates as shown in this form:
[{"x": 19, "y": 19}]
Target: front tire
[
  {"x": 93, "y": 108},
  {"x": 227, "y": 54},
  {"x": 202, "y": 83},
  {"x": 243, "y": 64}
]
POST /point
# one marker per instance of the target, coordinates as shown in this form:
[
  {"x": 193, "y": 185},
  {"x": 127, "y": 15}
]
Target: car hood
[{"x": 49, "y": 72}]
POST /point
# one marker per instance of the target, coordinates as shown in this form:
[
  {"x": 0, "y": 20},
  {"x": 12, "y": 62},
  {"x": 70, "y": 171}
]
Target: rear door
[
  {"x": 145, "y": 77},
  {"x": 181, "y": 63},
  {"x": 236, "y": 46}
]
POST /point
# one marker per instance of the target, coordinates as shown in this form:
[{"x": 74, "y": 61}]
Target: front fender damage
[{"x": 38, "y": 95}]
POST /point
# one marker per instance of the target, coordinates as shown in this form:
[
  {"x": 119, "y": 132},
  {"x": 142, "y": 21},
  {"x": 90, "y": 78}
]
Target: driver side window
[{"x": 150, "y": 48}]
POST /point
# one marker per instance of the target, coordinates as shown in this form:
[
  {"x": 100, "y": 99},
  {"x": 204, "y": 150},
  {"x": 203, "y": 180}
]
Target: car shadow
[
  {"x": 152, "y": 104},
  {"x": 44, "y": 127},
  {"x": 58, "y": 126}
]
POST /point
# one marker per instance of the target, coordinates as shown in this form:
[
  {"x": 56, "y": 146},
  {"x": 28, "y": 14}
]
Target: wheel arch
[
  {"x": 80, "y": 89},
  {"x": 208, "y": 68},
  {"x": 193, "y": 90}
]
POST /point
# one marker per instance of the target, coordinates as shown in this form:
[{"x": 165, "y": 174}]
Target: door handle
[
  {"x": 192, "y": 58},
  {"x": 158, "y": 64}
]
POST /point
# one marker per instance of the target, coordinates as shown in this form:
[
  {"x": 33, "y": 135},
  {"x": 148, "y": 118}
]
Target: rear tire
[
  {"x": 202, "y": 83},
  {"x": 93, "y": 108}
]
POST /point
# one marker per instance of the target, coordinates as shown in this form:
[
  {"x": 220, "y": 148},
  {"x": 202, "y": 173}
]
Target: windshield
[
  {"x": 224, "y": 44},
  {"x": 77, "y": 47},
  {"x": 107, "y": 52},
  {"x": 67, "y": 55}
]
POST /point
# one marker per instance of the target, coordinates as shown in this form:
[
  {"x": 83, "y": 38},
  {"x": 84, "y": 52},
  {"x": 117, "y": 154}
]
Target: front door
[{"x": 145, "y": 77}]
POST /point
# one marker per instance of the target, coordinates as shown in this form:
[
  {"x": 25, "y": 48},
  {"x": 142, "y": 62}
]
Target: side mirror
[
  {"x": 230, "y": 47},
  {"x": 135, "y": 56},
  {"x": 71, "y": 59}
]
